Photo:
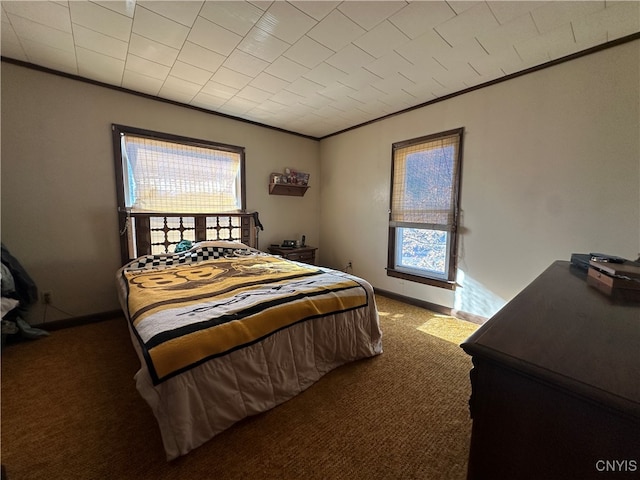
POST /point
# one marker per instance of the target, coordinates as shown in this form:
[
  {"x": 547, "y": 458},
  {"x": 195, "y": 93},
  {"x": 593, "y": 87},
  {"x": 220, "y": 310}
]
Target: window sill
[{"x": 424, "y": 280}]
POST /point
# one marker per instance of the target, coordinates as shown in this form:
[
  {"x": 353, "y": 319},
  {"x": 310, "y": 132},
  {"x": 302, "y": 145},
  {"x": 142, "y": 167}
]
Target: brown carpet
[{"x": 70, "y": 410}]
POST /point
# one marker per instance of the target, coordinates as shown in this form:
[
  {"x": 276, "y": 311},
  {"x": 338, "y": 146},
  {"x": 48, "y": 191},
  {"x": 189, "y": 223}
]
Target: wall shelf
[{"x": 287, "y": 189}]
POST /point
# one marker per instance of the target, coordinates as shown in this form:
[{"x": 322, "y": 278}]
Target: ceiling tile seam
[
  {"x": 106, "y": 10},
  {"x": 530, "y": 14},
  {"x": 176, "y": 65},
  {"x": 405, "y": 59},
  {"x": 315, "y": 22},
  {"x": 378, "y": 89},
  {"x": 373, "y": 26},
  {"x": 205, "y": 19},
  {"x": 390, "y": 18},
  {"x": 126, "y": 60},
  {"x": 404, "y": 76},
  {"x": 284, "y": 79},
  {"x": 311, "y": 81},
  {"x": 36, "y": 42},
  {"x": 184, "y": 80},
  {"x": 150, "y": 61},
  {"x": 285, "y": 104},
  {"x": 535, "y": 24},
  {"x": 76, "y": 46},
  {"x": 20, "y": 39},
  {"x": 439, "y": 83},
  {"x": 440, "y": 63},
  {"x": 313, "y": 40},
  {"x": 283, "y": 54},
  {"x": 9, "y": 15},
  {"x": 435, "y": 29},
  {"x": 493, "y": 13},
  {"x": 372, "y": 73},
  {"x": 178, "y": 59},
  {"x": 481, "y": 45},
  {"x": 329, "y": 99},
  {"x": 323, "y": 44},
  {"x": 73, "y": 35},
  {"x": 364, "y": 67},
  {"x": 264, "y": 12},
  {"x": 244, "y": 51},
  {"x": 249, "y": 39},
  {"x": 410, "y": 94},
  {"x": 169, "y": 18},
  {"x": 295, "y": 5},
  {"x": 116, "y": 10},
  {"x": 226, "y": 65},
  {"x": 356, "y": 100},
  {"x": 352, "y": 42},
  {"x": 474, "y": 69},
  {"x": 164, "y": 82},
  {"x": 344, "y": 71},
  {"x": 517, "y": 52},
  {"x": 151, "y": 39}
]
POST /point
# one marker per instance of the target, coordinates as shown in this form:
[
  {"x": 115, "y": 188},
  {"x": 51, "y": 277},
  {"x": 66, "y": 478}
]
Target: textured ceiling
[{"x": 310, "y": 67}]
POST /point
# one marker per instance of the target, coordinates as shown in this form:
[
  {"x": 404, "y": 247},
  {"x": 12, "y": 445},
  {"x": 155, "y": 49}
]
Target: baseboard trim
[
  {"x": 77, "y": 321},
  {"x": 414, "y": 301}
]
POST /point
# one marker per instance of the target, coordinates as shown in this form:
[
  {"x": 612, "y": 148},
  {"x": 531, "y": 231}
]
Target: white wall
[
  {"x": 551, "y": 166},
  {"x": 58, "y": 184}
]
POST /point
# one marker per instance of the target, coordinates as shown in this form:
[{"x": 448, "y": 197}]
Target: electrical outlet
[{"x": 47, "y": 297}]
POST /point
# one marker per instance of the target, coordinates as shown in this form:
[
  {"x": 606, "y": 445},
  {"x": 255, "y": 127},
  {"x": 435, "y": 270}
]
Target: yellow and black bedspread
[{"x": 184, "y": 315}]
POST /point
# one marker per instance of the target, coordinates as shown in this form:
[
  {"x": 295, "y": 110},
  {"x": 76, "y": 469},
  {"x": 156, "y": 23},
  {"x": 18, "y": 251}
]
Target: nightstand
[{"x": 299, "y": 254}]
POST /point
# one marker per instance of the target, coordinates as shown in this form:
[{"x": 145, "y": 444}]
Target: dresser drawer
[
  {"x": 308, "y": 257},
  {"x": 300, "y": 254}
]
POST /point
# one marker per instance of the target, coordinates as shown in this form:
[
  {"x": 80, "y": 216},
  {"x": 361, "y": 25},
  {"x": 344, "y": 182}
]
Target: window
[
  {"x": 166, "y": 173},
  {"x": 158, "y": 173},
  {"x": 423, "y": 220}
]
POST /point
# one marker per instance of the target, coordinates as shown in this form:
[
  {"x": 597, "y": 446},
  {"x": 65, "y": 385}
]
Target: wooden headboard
[{"x": 153, "y": 233}]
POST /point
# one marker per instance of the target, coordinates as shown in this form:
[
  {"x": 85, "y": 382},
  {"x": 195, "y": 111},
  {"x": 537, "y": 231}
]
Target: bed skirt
[{"x": 256, "y": 378}]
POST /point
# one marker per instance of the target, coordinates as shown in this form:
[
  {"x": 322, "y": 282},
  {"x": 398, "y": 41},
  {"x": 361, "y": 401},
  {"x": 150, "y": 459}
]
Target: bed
[{"x": 224, "y": 331}]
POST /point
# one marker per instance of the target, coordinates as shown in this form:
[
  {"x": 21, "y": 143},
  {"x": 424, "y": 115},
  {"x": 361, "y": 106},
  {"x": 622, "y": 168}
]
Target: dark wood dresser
[
  {"x": 298, "y": 254},
  {"x": 556, "y": 384}
]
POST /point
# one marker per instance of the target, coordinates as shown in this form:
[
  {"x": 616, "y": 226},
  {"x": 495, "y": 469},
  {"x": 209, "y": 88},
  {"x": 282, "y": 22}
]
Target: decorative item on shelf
[
  {"x": 291, "y": 182},
  {"x": 296, "y": 178},
  {"x": 278, "y": 178}
]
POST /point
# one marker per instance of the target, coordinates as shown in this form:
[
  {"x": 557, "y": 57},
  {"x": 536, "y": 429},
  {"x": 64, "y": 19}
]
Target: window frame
[
  {"x": 452, "y": 240},
  {"x": 119, "y": 130}
]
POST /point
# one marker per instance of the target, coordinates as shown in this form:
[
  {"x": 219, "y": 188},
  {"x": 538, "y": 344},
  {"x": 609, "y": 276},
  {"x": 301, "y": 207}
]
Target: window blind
[
  {"x": 423, "y": 184},
  {"x": 163, "y": 176}
]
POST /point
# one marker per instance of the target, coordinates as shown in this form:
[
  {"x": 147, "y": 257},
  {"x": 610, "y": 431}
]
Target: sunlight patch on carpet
[
  {"x": 448, "y": 328},
  {"x": 390, "y": 315}
]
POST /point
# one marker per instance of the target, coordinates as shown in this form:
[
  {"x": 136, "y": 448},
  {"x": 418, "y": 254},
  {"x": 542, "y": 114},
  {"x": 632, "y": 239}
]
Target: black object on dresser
[{"x": 556, "y": 384}]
